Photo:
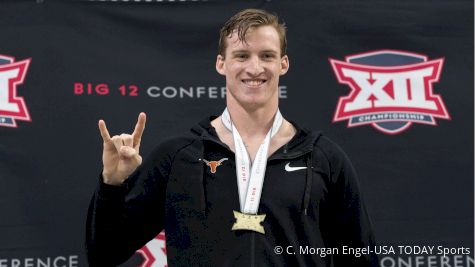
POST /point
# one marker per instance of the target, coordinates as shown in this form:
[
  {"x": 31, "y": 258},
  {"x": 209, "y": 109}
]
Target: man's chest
[
  {"x": 283, "y": 185},
  {"x": 253, "y": 145},
  {"x": 203, "y": 188}
]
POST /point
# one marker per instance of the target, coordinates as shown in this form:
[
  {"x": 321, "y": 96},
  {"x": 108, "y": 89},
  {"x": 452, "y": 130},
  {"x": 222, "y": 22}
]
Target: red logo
[
  {"x": 213, "y": 164},
  {"x": 12, "y": 107},
  {"x": 389, "y": 90}
]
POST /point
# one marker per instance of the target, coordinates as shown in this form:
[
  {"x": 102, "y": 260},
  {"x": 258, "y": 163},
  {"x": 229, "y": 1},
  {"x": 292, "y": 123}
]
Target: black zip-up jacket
[{"x": 306, "y": 209}]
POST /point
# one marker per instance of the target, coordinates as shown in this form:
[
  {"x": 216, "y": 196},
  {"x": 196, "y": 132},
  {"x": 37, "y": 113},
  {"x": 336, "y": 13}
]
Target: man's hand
[{"x": 121, "y": 152}]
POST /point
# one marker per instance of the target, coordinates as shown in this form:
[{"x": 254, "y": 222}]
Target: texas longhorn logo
[
  {"x": 12, "y": 107},
  {"x": 213, "y": 165},
  {"x": 389, "y": 90}
]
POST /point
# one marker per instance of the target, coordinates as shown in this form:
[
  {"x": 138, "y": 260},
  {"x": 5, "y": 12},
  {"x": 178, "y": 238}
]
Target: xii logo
[
  {"x": 389, "y": 90},
  {"x": 12, "y": 107}
]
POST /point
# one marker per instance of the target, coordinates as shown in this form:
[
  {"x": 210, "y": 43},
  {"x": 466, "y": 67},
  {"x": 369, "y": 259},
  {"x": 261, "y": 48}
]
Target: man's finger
[
  {"x": 137, "y": 147},
  {"x": 126, "y": 152},
  {"x": 127, "y": 140},
  {"x": 117, "y": 141},
  {"x": 139, "y": 128},
  {"x": 104, "y": 133}
]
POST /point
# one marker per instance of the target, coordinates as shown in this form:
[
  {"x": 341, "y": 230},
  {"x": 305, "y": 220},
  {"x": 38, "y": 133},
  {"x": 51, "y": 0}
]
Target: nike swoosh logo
[{"x": 291, "y": 169}]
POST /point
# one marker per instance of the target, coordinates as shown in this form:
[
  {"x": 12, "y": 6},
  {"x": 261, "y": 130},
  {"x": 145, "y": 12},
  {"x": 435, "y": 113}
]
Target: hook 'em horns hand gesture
[{"x": 121, "y": 152}]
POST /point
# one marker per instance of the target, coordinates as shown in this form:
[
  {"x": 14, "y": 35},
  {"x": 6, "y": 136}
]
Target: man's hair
[{"x": 247, "y": 19}]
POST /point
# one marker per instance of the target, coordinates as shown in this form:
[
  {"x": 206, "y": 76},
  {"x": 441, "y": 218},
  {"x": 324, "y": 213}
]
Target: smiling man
[{"x": 247, "y": 188}]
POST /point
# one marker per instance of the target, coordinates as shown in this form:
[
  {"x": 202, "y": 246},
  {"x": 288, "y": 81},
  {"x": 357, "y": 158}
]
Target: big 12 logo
[
  {"x": 12, "y": 107},
  {"x": 154, "y": 252},
  {"x": 389, "y": 90}
]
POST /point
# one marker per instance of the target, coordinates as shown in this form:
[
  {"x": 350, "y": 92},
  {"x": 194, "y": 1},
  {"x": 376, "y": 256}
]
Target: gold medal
[{"x": 248, "y": 222}]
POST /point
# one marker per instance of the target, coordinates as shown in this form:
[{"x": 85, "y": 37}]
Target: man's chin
[{"x": 253, "y": 104}]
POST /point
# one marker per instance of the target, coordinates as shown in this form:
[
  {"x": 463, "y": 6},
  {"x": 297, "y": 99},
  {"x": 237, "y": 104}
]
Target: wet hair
[{"x": 248, "y": 19}]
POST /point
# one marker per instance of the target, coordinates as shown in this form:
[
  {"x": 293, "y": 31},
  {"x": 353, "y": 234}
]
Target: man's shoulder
[
  {"x": 327, "y": 145},
  {"x": 172, "y": 145},
  {"x": 317, "y": 138},
  {"x": 328, "y": 151}
]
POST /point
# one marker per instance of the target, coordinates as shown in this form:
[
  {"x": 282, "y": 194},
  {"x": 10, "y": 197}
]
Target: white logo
[
  {"x": 389, "y": 90},
  {"x": 12, "y": 107},
  {"x": 291, "y": 169}
]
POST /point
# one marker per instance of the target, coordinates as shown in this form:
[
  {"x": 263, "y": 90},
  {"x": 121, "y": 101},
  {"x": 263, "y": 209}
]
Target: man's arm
[
  {"x": 127, "y": 208},
  {"x": 349, "y": 224},
  {"x": 122, "y": 219}
]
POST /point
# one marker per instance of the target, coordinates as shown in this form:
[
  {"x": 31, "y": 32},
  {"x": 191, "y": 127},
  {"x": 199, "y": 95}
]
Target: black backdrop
[{"x": 95, "y": 59}]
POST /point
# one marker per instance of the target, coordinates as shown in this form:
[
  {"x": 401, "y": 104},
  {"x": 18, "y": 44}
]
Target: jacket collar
[{"x": 303, "y": 141}]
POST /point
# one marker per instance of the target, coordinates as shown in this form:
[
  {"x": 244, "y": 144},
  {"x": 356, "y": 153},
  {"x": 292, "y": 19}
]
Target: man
[{"x": 247, "y": 188}]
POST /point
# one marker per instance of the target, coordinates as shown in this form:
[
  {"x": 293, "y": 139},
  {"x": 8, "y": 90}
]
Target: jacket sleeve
[
  {"x": 122, "y": 219},
  {"x": 349, "y": 223}
]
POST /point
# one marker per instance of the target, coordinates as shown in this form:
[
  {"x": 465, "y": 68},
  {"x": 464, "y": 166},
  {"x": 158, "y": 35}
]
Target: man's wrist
[
  {"x": 110, "y": 191},
  {"x": 106, "y": 179}
]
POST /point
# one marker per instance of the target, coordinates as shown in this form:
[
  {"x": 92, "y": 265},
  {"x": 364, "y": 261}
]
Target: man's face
[{"x": 252, "y": 68}]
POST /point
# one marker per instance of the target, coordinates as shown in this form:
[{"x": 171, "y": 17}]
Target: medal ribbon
[{"x": 250, "y": 178}]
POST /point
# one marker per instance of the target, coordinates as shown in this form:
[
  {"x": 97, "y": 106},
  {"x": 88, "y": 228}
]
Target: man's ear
[
  {"x": 284, "y": 65},
  {"x": 220, "y": 67}
]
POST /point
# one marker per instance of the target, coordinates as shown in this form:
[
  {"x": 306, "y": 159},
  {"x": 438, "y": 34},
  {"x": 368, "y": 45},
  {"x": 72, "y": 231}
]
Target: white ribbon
[{"x": 250, "y": 177}]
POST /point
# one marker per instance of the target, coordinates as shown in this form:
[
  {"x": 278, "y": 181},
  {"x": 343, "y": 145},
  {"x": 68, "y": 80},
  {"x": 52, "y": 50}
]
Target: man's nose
[{"x": 255, "y": 66}]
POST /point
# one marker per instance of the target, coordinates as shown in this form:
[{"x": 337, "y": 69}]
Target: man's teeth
[{"x": 253, "y": 82}]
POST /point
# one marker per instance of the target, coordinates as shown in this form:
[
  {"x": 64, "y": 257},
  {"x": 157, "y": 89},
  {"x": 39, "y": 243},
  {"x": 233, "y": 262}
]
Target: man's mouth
[{"x": 253, "y": 82}]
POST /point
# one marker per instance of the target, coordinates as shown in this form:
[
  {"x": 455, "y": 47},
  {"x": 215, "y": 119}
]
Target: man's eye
[
  {"x": 268, "y": 56},
  {"x": 241, "y": 56}
]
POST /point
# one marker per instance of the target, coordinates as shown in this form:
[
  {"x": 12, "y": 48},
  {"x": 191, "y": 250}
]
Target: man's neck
[
  {"x": 252, "y": 122},
  {"x": 253, "y": 125}
]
